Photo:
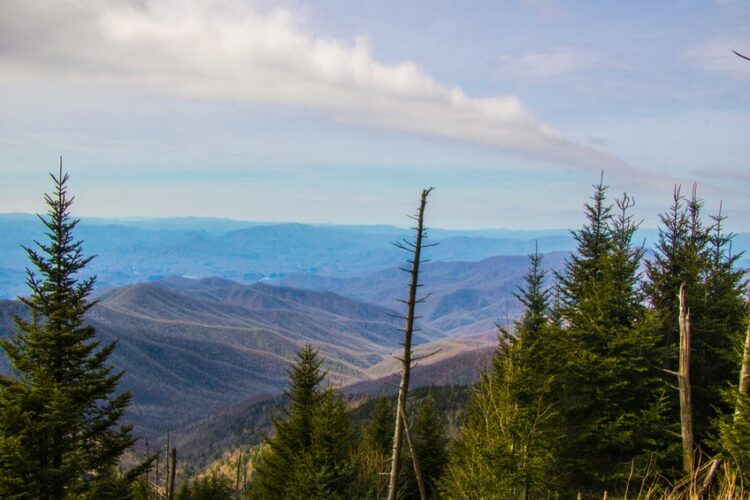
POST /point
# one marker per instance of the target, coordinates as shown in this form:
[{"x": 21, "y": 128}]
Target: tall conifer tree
[
  {"x": 611, "y": 397},
  {"x": 699, "y": 256},
  {"x": 59, "y": 431},
  {"x": 311, "y": 454},
  {"x": 508, "y": 444},
  {"x": 293, "y": 430}
]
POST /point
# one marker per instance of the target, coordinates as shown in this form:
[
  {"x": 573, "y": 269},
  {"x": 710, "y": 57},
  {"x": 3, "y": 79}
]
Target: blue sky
[{"x": 341, "y": 111}]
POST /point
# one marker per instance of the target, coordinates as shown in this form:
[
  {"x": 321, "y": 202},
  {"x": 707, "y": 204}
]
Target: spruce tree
[
  {"x": 690, "y": 252},
  {"x": 509, "y": 442},
  {"x": 375, "y": 447},
  {"x": 311, "y": 454},
  {"x": 328, "y": 470},
  {"x": 610, "y": 395},
  {"x": 290, "y": 444},
  {"x": 59, "y": 430},
  {"x": 377, "y": 435}
]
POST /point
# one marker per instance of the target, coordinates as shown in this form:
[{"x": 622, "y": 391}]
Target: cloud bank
[{"x": 229, "y": 51}]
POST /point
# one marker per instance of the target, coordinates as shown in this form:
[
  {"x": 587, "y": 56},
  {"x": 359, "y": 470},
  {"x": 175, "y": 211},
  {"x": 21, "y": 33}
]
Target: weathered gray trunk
[
  {"x": 745, "y": 370},
  {"x": 416, "y": 250},
  {"x": 683, "y": 377}
]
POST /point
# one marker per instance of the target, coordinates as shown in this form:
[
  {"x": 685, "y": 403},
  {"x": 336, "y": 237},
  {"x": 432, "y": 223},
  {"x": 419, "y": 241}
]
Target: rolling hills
[
  {"x": 465, "y": 297},
  {"x": 192, "y": 347}
]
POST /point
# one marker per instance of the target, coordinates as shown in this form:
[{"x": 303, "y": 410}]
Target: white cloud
[{"x": 228, "y": 51}]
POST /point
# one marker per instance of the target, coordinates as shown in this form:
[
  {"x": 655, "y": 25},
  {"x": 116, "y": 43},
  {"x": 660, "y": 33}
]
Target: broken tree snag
[
  {"x": 683, "y": 377},
  {"x": 744, "y": 373},
  {"x": 415, "y": 250},
  {"x": 172, "y": 471}
]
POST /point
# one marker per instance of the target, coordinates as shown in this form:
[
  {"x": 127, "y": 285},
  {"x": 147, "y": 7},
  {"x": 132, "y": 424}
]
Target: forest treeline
[{"x": 586, "y": 396}]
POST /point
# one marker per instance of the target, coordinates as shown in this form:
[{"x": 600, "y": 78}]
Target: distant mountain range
[
  {"x": 133, "y": 251},
  {"x": 192, "y": 347},
  {"x": 138, "y": 250}
]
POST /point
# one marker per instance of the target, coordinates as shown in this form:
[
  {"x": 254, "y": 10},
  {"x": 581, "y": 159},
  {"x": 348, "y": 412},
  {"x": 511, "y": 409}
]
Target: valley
[{"x": 191, "y": 348}]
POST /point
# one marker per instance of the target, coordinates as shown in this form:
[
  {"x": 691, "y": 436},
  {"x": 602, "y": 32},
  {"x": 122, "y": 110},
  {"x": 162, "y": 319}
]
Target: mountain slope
[
  {"x": 192, "y": 347},
  {"x": 247, "y": 422},
  {"x": 465, "y": 297}
]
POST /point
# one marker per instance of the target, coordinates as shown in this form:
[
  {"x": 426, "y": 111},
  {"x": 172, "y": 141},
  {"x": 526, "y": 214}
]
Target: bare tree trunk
[
  {"x": 172, "y": 471},
  {"x": 683, "y": 377},
  {"x": 744, "y": 374},
  {"x": 416, "y": 250}
]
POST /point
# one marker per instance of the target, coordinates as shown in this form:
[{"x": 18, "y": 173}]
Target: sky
[{"x": 341, "y": 111}]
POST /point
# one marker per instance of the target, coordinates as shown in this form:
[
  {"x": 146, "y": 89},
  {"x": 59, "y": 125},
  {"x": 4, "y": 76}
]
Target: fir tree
[
  {"x": 508, "y": 444},
  {"x": 328, "y": 470},
  {"x": 209, "y": 487},
  {"x": 377, "y": 435},
  {"x": 59, "y": 431},
  {"x": 610, "y": 396},
  {"x": 699, "y": 256},
  {"x": 311, "y": 454},
  {"x": 292, "y": 438}
]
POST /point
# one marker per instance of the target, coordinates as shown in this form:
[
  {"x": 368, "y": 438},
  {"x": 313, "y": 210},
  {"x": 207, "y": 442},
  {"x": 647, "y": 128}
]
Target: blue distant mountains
[
  {"x": 139, "y": 250},
  {"x": 134, "y": 251}
]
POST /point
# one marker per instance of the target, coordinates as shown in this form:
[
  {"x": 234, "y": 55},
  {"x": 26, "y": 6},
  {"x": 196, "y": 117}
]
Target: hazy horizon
[{"x": 341, "y": 112}]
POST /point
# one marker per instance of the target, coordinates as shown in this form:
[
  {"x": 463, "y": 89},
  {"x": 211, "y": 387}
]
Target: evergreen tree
[
  {"x": 431, "y": 446},
  {"x": 733, "y": 435},
  {"x": 328, "y": 470},
  {"x": 59, "y": 431},
  {"x": 378, "y": 435},
  {"x": 375, "y": 447},
  {"x": 210, "y": 487},
  {"x": 293, "y": 430},
  {"x": 610, "y": 394},
  {"x": 699, "y": 256},
  {"x": 311, "y": 454},
  {"x": 508, "y": 444}
]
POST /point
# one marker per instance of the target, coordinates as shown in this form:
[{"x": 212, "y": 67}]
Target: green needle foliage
[
  {"x": 375, "y": 448},
  {"x": 59, "y": 431},
  {"x": 431, "y": 445},
  {"x": 311, "y": 454},
  {"x": 378, "y": 434},
  {"x": 611, "y": 395},
  {"x": 509, "y": 442},
  {"x": 699, "y": 256}
]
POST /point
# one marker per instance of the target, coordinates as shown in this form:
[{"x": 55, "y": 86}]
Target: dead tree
[
  {"x": 683, "y": 377},
  {"x": 170, "y": 494},
  {"x": 744, "y": 384},
  {"x": 415, "y": 250}
]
